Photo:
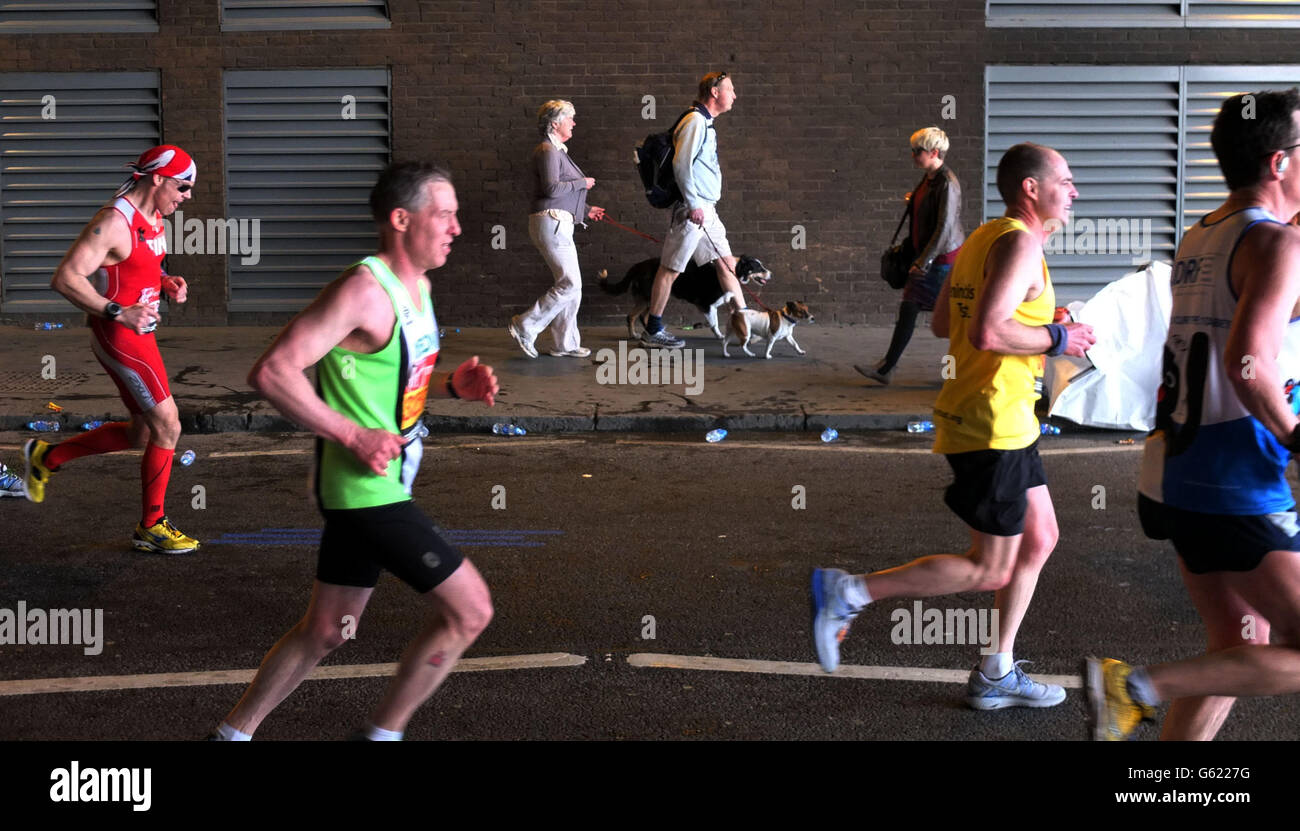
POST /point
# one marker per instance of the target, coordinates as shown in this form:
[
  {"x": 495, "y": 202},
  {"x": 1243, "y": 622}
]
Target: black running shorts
[
  {"x": 1218, "y": 542},
  {"x": 358, "y": 543},
  {"x": 988, "y": 488}
]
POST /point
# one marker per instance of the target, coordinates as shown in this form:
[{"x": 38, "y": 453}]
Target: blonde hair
[
  {"x": 931, "y": 138},
  {"x": 551, "y": 113}
]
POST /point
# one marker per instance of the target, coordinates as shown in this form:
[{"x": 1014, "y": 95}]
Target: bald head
[{"x": 1021, "y": 162}]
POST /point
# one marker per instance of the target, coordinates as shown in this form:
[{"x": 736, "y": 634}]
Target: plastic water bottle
[
  {"x": 43, "y": 426},
  {"x": 714, "y": 436},
  {"x": 187, "y": 458},
  {"x": 1050, "y": 430},
  {"x": 508, "y": 430},
  {"x": 45, "y": 327},
  {"x": 91, "y": 425},
  {"x": 920, "y": 426},
  {"x": 830, "y": 434}
]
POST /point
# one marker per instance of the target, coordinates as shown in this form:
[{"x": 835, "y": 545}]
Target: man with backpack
[{"x": 695, "y": 230}]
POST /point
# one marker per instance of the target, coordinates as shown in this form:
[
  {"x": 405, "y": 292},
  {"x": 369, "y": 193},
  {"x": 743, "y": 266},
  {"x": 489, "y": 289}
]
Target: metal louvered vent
[
  {"x": 303, "y": 150},
  {"x": 66, "y": 138},
  {"x": 1059, "y": 13},
  {"x": 1119, "y": 131},
  {"x": 1174, "y": 14},
  {"x": 268, "y": 15},
  {"x": 1207, "y": 87},
  {"x": 30, "y": 16}
]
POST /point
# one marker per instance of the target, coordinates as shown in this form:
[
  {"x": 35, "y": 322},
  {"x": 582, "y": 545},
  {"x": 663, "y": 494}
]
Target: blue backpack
[{"x": 654, "y": 164}]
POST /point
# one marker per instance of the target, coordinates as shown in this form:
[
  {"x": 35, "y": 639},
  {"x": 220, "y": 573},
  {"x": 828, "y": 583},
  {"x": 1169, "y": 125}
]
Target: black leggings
[{"x": 903, "y": 328}]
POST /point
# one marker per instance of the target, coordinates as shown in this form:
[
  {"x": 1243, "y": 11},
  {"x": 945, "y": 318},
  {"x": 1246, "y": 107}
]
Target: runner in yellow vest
[
  {"x": 374, "y": 340},
  {"x": 997, "y": 310}
]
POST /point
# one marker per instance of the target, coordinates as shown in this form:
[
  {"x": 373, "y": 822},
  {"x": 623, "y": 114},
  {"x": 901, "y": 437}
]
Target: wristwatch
[{"x": 112, "y": 310}]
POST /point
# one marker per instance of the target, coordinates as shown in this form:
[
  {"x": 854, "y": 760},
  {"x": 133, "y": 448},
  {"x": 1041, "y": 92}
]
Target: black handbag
[{"x": 898, "y": 257}]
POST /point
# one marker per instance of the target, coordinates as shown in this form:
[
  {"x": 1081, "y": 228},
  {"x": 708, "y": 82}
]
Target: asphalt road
[{"x": 598, "y": 534}]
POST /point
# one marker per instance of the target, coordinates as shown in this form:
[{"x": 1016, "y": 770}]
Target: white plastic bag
[{"x": 1116, "y": 386}]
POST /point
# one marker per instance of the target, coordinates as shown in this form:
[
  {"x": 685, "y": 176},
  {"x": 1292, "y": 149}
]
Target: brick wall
[{"x": 828, "y": 93}]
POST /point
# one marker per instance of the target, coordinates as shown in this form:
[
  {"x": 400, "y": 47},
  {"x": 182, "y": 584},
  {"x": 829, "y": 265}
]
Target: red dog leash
[{"x": 606, "y": 218}]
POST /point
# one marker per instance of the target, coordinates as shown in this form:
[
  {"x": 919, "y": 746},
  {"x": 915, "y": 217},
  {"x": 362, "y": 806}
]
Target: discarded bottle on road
[
  {"x": 43, "y": 426},
  {"x": 45, "y": 327},
  {"x": 91, "y": 425},
  {"x": 830, "y": 434},
  {"x": 1050, "y": 430},
  {"x": 920, "y": 426},
  {"x": 715, "y": 435},
  {"x": 508, "y": 430},
  {"x": 187, "y": 458}
]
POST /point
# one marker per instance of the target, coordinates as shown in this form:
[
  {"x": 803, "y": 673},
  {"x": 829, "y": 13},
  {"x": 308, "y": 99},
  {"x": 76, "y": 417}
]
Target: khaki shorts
[{"x": 687, "y": 241}]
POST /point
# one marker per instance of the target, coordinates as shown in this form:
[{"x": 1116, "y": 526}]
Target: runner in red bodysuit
[{"x": 113, "y": 272}]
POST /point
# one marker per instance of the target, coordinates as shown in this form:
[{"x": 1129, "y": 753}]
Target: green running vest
[{"x": 383, "y": 390}]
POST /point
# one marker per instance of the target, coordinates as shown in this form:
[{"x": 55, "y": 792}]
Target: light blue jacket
[{"x": 695, "y": 160}]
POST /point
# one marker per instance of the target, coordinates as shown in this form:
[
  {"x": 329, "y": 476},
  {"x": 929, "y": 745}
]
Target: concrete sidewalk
[{"x": 208, "y": 366}]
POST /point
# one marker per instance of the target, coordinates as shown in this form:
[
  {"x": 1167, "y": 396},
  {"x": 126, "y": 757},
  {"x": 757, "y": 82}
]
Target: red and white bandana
[{"x": 165, "y": 160}]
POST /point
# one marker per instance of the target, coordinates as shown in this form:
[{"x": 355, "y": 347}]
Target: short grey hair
[
  {"x": 552, "y": 113},
  {"x": 931, "y": 138}
]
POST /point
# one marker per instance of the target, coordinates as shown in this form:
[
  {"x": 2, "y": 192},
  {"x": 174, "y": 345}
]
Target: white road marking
[
  {"x": 709, "y": 664},
  {"x": 98, "y": 683},
  {"x": 309, "y": 449},
  {"x": 849, "y": 448}
]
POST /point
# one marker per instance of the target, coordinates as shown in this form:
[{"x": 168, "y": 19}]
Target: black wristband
[
  {"x": 1060, "y": 339},
  {"x": 451, "y": 388}
]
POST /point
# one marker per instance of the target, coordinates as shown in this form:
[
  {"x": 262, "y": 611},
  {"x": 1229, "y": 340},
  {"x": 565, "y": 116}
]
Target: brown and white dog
[{"x": 772, "y": 326}]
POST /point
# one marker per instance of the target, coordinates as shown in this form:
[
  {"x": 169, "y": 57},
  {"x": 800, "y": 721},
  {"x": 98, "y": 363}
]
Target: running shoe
[
  {"x": 1113, "y": 715},
  {"x": 831, "y": 616},
  {"x": 11, "y": 484},
  {"x": 37, "y": 473},
  {"x": 517, "y": 332},
  {"x": 163, "y": 538},
  {"x": 580, "y": 352},
  {"x": 1015, "y": 689},
  {"x": 662, "y": 340}
]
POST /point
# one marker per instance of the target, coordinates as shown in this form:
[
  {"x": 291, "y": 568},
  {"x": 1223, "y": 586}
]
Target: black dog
[{"x": 697, "y": 285}]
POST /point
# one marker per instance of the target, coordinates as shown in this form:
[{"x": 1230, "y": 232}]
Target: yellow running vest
[{"x": 988, "y": 404}]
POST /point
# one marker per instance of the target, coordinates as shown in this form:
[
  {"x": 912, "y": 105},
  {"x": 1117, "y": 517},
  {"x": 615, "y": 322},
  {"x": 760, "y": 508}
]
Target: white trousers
[{"x": 558, "y": 308}]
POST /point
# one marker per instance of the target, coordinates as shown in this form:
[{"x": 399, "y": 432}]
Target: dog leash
[
  {"x": 606, "y": 218},
  {"x": 723, "y": 260}
]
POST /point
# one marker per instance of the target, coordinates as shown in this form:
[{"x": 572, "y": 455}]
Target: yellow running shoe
[
  {"x": 37, "y": 473},
  {"x": 1112, "y": 713},
  {"x": 163, "y": 538}
]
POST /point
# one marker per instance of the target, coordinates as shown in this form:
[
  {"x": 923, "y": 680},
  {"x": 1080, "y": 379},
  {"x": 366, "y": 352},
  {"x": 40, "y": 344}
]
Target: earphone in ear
[{"x": 1282, "y": 163}]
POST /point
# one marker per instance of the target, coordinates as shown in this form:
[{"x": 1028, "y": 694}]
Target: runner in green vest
[{"x": 373, "y": 338}]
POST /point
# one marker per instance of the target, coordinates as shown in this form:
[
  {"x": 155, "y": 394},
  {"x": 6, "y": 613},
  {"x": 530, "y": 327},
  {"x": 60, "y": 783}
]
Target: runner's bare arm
[
  {"x": 105, "y": 235},
  {"x": 1013, "y": 267},
  {"x": 1269, "y": 261},
  {"x": 354, "y": 304}
]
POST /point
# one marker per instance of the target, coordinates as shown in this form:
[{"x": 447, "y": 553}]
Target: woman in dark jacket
[
  {"x": 936, "y": 234},
  {"x": 559, "y": 200}
]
